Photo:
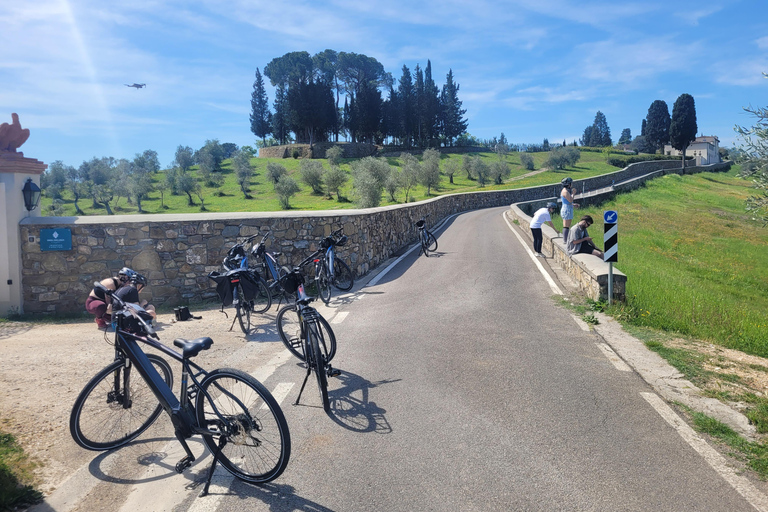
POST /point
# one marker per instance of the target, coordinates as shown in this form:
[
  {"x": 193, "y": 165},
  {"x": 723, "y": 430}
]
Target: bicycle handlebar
[{"x": 133, "y": 309}]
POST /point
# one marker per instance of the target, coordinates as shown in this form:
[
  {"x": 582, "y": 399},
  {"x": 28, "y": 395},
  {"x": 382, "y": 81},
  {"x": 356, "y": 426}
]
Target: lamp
[{"x": 31, "y": 195}]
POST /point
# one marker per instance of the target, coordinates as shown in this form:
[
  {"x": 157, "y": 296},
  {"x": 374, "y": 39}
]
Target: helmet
[
  {"x": 126, "y": 274},
  {"x": 567, "y": 181},
  {"x": 138, "y": 279},
  {"x": 552, "y": 205}
]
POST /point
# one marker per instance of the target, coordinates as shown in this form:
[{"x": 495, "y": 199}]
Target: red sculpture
[{"x": 12, "y": 136}]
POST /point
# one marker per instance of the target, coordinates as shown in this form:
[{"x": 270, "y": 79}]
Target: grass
[
  {"x": 696, "y": 263},
  {"x": 229, "y": 198},
  {"x": 16, "y": 476}
]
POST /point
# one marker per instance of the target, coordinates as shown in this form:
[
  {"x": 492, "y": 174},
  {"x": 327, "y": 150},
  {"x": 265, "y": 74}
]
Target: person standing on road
[
  {"x": 579, "y": 241},
  {"x": 541, "y": 216},
  {"x": 566, "y": 211}
]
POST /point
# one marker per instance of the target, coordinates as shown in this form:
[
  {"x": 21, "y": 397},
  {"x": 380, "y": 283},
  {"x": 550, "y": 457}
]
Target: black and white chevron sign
[{"x": 611, "y": 237}]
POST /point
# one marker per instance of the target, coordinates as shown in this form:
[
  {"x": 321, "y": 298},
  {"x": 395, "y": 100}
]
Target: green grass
[
  {"x": 695, "y": 262},
  {"x": 16, "y": 476},
  {"x": 229, "y": 198}
]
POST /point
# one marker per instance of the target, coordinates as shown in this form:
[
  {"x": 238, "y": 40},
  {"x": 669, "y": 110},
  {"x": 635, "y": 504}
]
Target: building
[{"x": 705, "y": 150}]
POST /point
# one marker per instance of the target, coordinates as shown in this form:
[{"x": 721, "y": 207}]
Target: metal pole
[{"x": 610, "y": 282}]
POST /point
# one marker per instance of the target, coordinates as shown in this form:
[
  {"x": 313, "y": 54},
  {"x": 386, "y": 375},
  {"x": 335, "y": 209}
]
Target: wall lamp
[{"x": 31, "y": 195}]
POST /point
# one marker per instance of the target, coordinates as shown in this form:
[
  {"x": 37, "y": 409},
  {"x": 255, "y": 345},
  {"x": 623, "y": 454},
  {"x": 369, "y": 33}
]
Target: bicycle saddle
[{"x": 190, "y": 348}]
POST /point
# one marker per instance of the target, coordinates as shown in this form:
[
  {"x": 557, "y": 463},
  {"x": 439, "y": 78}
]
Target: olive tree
[{"x": 754, "y": 161}]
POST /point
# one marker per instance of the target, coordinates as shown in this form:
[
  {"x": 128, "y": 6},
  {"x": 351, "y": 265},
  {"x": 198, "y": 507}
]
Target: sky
[{"x": 531, "y": 69}]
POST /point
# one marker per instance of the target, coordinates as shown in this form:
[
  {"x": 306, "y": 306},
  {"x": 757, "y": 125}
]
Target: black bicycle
[
  {"x": 240, "y": 421},
  {"x": 241, "y": 286},
  {"x": 330, "y": 269},
  {"x": 308, "y": 336},
  {"x": 265, "y": 263},
  {"x": 426, "y": 238}
]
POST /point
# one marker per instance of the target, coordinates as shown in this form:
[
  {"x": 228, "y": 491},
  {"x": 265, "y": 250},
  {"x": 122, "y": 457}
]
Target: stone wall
[{"x": 176, "y": 252}]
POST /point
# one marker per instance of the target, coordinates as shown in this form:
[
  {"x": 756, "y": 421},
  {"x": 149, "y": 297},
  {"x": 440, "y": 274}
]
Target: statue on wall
[{"x": 12, "y": 136}]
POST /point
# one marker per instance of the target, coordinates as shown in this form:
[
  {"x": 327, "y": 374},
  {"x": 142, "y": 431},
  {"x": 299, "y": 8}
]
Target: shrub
[
  {"x": 334, "y": 155},
  {"x": 286, "y": 187},
  {"x": 526, "y": 161},
  {"x": 275, "y": 172},
  {"x": 562, "y": 157},
  {"x": 312, "y": 174}
]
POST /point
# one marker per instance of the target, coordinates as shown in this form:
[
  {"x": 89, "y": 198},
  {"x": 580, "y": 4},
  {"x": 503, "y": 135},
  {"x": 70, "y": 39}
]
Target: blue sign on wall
[{"x": 59, "y": 239}]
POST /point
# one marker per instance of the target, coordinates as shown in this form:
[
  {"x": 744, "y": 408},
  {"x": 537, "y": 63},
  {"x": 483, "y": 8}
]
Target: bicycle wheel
[
  {"x": 423, "y": 242},
  {"x": 243, "y": 311},
  {"x": 257, "y": 443},
  {"x": 289, "y": 329},
  {"x": 318, "y": 363},
  {"x": 342, "y": 276},
  {"x": 262, "y": 300},
  {"x": 431, "y": 242},
  {"x": 323, "y": 284},
  {"x": 101, "y": 419}
]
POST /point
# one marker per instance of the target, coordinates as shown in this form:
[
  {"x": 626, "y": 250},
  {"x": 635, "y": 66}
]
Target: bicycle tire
[
  {"x": 262, "y": 300},
  {"x": 423, "y": 242},
  {"x": 258, "y": 448},
  {"x": 99, "y": 421},
  {"x": 289, "y": 329},
  {"x": 342, "y": 276},
  {"x": 431, "y": 242},
  {"x": 243, "y": 311},
  {"x": 318, "y": 364},
  {"x": 323, "y": 284}
]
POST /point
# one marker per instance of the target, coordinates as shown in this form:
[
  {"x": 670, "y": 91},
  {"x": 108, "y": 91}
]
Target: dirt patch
[{"x": 43, "y": 368}]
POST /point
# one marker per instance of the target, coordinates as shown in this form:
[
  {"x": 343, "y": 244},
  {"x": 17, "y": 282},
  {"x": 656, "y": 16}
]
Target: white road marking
[
  {"x": 550, "y": 281},
  {"x": 743, "y": 486},
  {"x": 340, "y": 316},
  {"x": 613, "y": 357}
]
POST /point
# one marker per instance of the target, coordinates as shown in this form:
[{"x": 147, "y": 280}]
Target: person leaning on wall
[
  {"x": 541, "y": 216},
  {"x": 99, "y": 304}
]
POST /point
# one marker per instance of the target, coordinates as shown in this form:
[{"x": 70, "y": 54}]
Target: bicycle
[
  {"x": 313, "y": 342},
  {"x": 330, "y": 269},
  {"x": 240, "y": 421},
  {"x": 426, "y": 238},
  {"x": 241, "y": 287},
  {"x": 266, "y": 264}
]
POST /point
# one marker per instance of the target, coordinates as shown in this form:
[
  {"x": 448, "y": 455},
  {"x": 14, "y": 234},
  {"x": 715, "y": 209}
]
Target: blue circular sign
[{"x": 610, "y": 217}]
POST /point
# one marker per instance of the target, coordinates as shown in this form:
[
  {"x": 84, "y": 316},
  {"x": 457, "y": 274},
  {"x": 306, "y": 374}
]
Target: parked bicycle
[
  {"x": 240, "y": 421},
  {"x": 308, "y": 336},
  {"x": 330, "y": 269},
  {"x": 265, "y": 262},
  {"x": 426, "y": 238},
  {"x": 241, "y": 287}
]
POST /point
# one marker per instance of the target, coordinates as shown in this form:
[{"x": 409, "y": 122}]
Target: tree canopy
[
  {"x": 657, "y": 125},
  {"x": 683, "y": 127}
]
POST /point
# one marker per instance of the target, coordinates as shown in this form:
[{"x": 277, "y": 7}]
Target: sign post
[{"x": 611, "y": 246}]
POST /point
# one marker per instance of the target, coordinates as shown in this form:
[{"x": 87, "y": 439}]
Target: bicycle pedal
[
  {"x": 183, "y": 464},
  {"x": 333, "y": 372}
]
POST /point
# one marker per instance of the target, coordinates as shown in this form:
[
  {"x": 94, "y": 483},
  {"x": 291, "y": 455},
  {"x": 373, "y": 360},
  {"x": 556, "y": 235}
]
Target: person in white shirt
[{"x": 541, "y": 216}]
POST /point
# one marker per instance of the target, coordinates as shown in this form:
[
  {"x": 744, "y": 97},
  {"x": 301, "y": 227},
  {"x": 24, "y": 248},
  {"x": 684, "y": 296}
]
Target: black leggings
[{"x": 537, "y": 239}]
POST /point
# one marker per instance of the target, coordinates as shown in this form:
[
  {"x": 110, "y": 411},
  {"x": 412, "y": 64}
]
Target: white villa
[{"x": 705, "y": 150}]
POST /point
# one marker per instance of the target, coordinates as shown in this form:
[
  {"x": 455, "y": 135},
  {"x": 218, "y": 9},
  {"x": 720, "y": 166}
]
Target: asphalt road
[{"x": 465, "y": 387}]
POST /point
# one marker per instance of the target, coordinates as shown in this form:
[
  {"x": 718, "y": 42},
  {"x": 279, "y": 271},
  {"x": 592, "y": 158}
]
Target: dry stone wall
[{"x": 176, "y": 252}]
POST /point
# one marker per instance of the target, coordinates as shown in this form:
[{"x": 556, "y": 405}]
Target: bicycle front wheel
[
  {"x": 262, "y": 299},
  {"x": 318, "y": 363},
  {"x": 342, "y": 276},
  {"x": 105, "y": 416},
  {"x": 256, "y": 441},
  {"x": 431, "y": 242},
  {"x": 243, "y": 311},
  {"x": 324, "y": 284},
  {"x": 289, "y": 329}
]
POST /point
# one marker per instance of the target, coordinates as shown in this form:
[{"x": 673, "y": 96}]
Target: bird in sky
[{"x": 137, "y": 86}]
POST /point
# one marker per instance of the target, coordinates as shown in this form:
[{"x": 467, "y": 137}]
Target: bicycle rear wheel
[
  {"x": 104, "y": 418},
  {"x": 262, "y": 299},
  {"x": 243, "y": 311},
  {"x": 318, "y": 363},
  {"x": 289, "y": 329},
  {"x": 257, "y": 443},
  {"x": 342, "y": 276}
]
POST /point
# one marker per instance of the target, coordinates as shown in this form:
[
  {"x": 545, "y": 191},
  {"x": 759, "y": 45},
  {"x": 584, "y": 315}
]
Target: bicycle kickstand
[
  {"x": 222, "y": 442},
  {"x": 309, "y": 371}
]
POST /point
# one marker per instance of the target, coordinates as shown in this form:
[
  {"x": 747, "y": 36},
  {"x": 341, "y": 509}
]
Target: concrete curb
[{"x": 666, "y": 380}]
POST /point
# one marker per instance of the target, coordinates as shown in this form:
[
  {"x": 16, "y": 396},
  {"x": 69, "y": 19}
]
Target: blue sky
[{"x": 532, "y": 69}]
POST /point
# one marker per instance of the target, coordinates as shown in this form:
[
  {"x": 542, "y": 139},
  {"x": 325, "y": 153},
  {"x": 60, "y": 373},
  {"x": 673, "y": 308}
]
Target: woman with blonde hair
[{"x": 566, "y": 211}]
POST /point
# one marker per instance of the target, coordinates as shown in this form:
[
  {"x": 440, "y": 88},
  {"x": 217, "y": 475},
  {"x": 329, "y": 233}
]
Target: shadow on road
[{"x": 352, "y": 409}]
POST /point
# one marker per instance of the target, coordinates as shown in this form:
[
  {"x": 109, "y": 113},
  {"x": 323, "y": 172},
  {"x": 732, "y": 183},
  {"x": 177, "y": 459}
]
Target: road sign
[{"x": 611, "y": 237}]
